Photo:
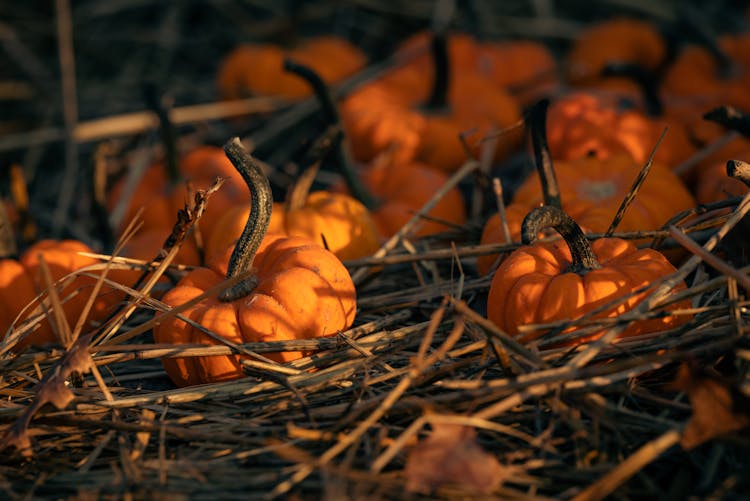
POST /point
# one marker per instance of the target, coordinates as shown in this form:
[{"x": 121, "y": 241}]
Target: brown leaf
[
  {"x": 451, "y": 455},
  {"x": 51, "y": 390},
  {"x": 719, "y": 407}
]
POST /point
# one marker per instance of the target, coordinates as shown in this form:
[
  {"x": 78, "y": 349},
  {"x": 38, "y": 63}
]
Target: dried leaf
[
  {"x": 51, "y": 390},
  {"x": 718, "y": 406},
  {"x": 451, "y": 455}
]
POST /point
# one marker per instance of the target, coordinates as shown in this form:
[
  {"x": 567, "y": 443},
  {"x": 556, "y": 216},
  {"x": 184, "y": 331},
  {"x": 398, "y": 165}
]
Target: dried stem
[
  {"x": 261, "y": 205},
  {"x": 739, "y": 170},
  {"x": 537, "y": 124},
  {"x": 546, "y": 216},
  {"x": 327, "y": 104}
]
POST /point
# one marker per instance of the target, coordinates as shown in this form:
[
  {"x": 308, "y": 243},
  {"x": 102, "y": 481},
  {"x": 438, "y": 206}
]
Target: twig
[
  {"x": 635, "y": 187},
  {"x": 497, "y": 187}
]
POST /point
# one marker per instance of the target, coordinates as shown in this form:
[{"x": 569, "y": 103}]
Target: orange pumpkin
[
  {"x": 564, "y": 280},
  {"x": 591, "y": 191},
  {"x": 257, "y": 69},
  {"x": 525, "y": 68},
  {"x": 618, "y": 40},
  {"x": 298, "y": 291},
  {"x": 403, "y": 189},
  {"x": 392, "y": 113},
  {"x": 22, "y": 280},
  {"x": 712, "y": 76},
  {"x": 582, "y": 124}
]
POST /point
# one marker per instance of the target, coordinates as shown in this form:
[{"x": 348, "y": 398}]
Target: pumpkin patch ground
[{"x": 228, "y": 323}]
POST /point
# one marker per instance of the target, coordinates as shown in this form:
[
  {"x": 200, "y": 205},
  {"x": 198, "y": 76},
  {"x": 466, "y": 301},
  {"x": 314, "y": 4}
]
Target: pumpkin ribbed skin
[
  {"x": 335, "y": 220},
  {"x": 532, "y": 286},
  {"x": 589, "y": 183},
  {"x": 303, "y": 292}
]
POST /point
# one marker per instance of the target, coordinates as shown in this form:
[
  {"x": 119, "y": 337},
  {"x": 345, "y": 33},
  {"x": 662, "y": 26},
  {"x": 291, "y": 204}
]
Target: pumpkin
[
  {"x": 618, "y": 40},
  {"x": 161, "y": 195},
  {"x": 257, "y": 69},
  {"x": 404, "y": 188},
  {"x": 525, "y": 68},
  {"x": 582, "y": 124},
  {"x": 546, "y": 282},
  {"x": 591, "y": 191},
  {"x": 712, "y": 74},
  {"x": 21, "y": 280},
  {"x": 392, "y": 113},
  {"x": 298, "y": 290}
]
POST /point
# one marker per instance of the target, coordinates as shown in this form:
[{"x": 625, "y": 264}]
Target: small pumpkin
[
  {"x": 617, "y": 40},
  {"x": 298, "y": 290},
  {"x": 545, "y": 282},
  {"x": 21, "y": 280},
  {"x": 257, "y": 69},
  {"x": 525, "y": 68},
  {"x": 590, "y": 190},
  {"x": 392, "y": 113},
  {"x": 582, "y": 124},
  {"x": 404, "y": 188}
]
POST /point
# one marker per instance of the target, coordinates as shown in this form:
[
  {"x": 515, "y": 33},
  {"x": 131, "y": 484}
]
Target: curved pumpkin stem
[
  {"x": 537, "y": 124},
  {"x": 546, "y": 216},
  {"x": 333, "y": 117},
  {"x": 647, "y": 81},
  {"x": 739, "y": 170},
  {"x": 438, "y": 99},
  {"x": 261, "y": 204}
]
